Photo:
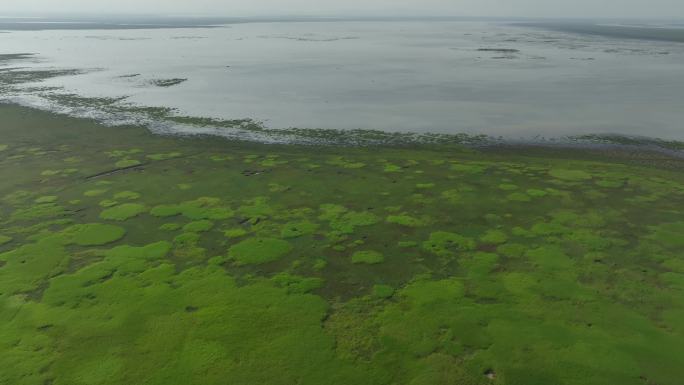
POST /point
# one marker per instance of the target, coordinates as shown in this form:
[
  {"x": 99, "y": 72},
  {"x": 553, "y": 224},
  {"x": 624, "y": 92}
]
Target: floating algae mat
[{"x": 128, "y": 258}]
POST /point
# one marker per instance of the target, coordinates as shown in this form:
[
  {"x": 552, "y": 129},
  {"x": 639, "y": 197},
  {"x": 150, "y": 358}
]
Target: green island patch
[
  {"x": 46, "y": 199},
  {"x": 108, "y": 203},
  {"x": 494, "y": 236},
  {"x": 367, "y": 257},
  {"x": 382, "y": 291},
  {"x": 166, "y": 156},
  {"x": 5, "y": 239},
  {"x": 298, "y": 229},
  {"x": 447, "y": 244},
  {"x": 127, "y": 163},
  {"x": 93, "y": 234},
  {"x": 123, "y": 211},
  {"x": 130, "y": 195},
  {"x": 406, "y": 220},
  {"x": 201, "y": 208},
  {"x": 170, "y": 227},
  {"x": 235, "y": 233},
  {"x": 254, "y": 251},
  {"x": 198, "y": 226},
  {"x": 94, "y": 193},
  {"x": 569, "y": 174}
]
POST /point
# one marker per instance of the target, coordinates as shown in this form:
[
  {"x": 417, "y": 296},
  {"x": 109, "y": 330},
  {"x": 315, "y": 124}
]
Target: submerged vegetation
[
  {"x": 167, "y": 82},
  {"x": 128, "y": 258}
]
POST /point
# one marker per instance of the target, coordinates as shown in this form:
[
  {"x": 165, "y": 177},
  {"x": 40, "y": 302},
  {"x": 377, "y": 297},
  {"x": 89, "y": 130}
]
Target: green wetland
[{"x": 131, "y": 258}]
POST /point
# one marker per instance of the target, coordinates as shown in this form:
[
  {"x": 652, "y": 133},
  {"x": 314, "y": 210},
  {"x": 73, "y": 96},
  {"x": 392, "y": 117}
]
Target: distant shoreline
[
  {"x": 640, "y": 150},
  {"x": 638, "y": 32},
  {"x": 667, "y": 30}
]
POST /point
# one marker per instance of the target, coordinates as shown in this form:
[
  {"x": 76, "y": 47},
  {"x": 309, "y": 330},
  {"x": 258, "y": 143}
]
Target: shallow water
[{"x": 409, "y": 76}]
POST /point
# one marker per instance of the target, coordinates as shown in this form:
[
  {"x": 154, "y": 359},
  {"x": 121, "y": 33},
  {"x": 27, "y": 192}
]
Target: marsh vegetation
[{"x": 129, "y": 258}]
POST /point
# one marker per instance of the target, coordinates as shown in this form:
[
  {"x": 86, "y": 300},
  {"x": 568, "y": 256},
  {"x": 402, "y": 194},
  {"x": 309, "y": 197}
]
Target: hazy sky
[{"x": 531, "y": 8}]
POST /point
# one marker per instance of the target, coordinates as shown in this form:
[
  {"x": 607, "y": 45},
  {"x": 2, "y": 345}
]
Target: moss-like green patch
[
  {"x": 95, "y": 192},
  {"x": 170, "y": 227},
  {"x": 512, "y": 250},
  {"x": 235, "y": 233},
  {"x": 407, "y": 244},
  {"x": 5, "y": 239},
  {"x": 187, "y": 239},
  {"x": 452, "y": 196},
  {"x": 165, "y": 211},
  {"x": 166, "y": 156},
  {"x": 344, "y": 220},
  {"x": 425, "y": 186},
  {"x": 471, "y": 168},
  {"x": 152, "y": 251},
  {"x": 298, "y": 229},
  {"x": 424, "y": 292},
  {"x": 389, "y": 167},
  {"x": 26, "y": 268},
  {"x": 341, "y": 162},
  {"x": 256, "y": 209},
  {"x": 221, "y": 158},
  {"x": 369, "y": 257},
  {"x": 130, "y": 195},
  {"x": 126, "y": 163},
  {"x": 46, "y": 199},
  {"x": 123, "y": 153},
  {"x": 447, "y": 244},
  {"x": 536, "y": 193},
  {"x": 38, "y": 211},
  {"x": 669, "y": 235},
  {"x": 123, "y": 212},
  {"x": 382, "y": 291},
  {"x": 202, "y": 208},
  {"x": 508, "y": 187},
  {"x": 108, "y": 203},
  {"x": 93, "y": 234},
  {"x": 569, "y": 174},
  {"x": 297, "y": 284},
  {"x": 518, "y": 197},
  {"x": 320, "y": 264},
  {"x": 494, "y": 237},
  {"x": 254, "y": 251},
  {"x": 198, "y": 226},
  {"x": 407, "y": 220}
]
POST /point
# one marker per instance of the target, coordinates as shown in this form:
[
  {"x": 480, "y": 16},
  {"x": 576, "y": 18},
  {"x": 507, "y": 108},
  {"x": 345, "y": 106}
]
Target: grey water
[{"x": 509, "y": 78}]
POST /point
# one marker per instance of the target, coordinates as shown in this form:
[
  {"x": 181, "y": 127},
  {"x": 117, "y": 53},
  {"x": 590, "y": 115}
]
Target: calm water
[{"x": 495, "y": 78}]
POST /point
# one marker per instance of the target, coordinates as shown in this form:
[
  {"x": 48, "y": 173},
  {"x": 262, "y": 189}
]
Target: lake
[{"x": 499, "y": 78}]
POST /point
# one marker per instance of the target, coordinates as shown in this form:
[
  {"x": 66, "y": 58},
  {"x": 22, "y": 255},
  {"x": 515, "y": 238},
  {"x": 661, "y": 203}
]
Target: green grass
[{"x": 226, "y": 262}]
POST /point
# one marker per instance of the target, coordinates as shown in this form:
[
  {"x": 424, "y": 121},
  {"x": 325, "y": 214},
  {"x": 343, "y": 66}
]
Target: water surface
[{"x": 482, "y": 77}]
